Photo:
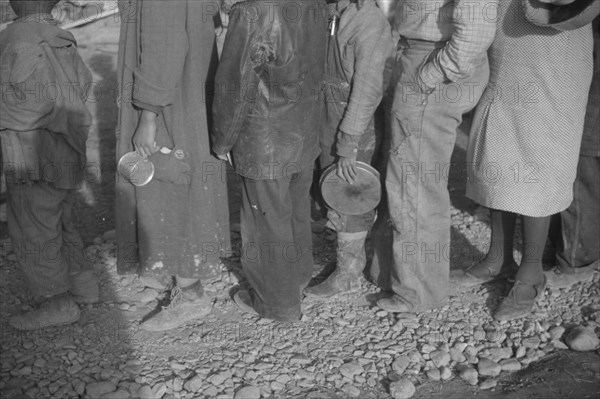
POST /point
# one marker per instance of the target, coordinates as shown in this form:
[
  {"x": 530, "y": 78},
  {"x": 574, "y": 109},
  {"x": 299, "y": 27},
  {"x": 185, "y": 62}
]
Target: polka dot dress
[{"x": 526, "y": 133}]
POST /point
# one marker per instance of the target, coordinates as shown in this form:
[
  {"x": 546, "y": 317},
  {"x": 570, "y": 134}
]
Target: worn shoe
[
  {"x": 152, "y": 282},
  {"x": 512, "y": 307},
  {"x": 183, "y": 307},
  {"x": 558, "y": 279},
  {"x": 351, "y": 260},
  {"x": 243, "y": 301},
  {"x": 84, "y": 287},
  {"x": 395, "y": 304},
  {"x": 54, "y": 311},
  {"x": 464, "y": 279}
]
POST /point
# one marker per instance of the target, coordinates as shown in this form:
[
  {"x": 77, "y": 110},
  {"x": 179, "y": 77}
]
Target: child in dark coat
[{"x": 43, "y": 129}]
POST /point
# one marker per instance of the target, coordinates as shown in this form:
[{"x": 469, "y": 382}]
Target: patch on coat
[{"x": 262, "y": 51}]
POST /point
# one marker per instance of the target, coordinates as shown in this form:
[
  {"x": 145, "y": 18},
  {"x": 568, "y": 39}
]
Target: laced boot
[
  {"x": 351, "y": 260},
  {"x": 186, "y": 304}
]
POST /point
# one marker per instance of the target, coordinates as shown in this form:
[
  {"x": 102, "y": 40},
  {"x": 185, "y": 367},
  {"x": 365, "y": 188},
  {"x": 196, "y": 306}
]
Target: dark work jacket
[
  {"x": 266, "y": 108},
  {"x": 44, "y": 122}
]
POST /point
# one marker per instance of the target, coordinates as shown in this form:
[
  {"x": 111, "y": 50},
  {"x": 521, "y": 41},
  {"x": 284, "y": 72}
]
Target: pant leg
[
  {"x": 73, "y": 250},
  {"x": 275, "y": 224},
  {"x": 301, "y": 254},
  {"x": 423, "y": 130},
  {"x": 580, "y": 222},
  {"x": 35, "y": 220},
  {"x": 580, "y": 234}
]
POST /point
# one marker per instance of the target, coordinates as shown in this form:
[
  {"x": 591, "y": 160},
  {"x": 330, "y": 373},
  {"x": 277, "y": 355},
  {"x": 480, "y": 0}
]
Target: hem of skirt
[{"x": 486, "y": 201}]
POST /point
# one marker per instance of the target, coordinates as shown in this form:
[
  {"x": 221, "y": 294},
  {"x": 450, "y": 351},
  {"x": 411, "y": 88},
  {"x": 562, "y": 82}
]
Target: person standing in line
[
  {"x": 524, "y": 145},
  {"x": 266, "y": 115},
  {"x": 174, "y": 229},
  {"x": 578, "y": 252},
  {"x": 357, "y": 52},
  {"x": 44, "y": 126},
  {"x": 441, "y": 70}
]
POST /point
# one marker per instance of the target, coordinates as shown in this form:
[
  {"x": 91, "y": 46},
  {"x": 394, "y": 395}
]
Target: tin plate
[
  {"x": 351, "y": 199},
  {"x": 135, "y": 169}
]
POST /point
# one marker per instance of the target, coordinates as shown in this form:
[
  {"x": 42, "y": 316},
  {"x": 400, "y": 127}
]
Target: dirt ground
[{"x": 564, "y": 374}]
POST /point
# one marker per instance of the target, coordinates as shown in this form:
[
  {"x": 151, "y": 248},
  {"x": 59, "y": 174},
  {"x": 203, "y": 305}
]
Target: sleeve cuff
[
  {"x": 152, "y": 108},
  {"x": 220, "y": 149},
  {"x": 347, "y": 144}
]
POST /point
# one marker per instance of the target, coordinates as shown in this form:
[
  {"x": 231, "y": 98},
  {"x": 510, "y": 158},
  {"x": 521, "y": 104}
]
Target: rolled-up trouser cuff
[{"x": 564, "y": 267}]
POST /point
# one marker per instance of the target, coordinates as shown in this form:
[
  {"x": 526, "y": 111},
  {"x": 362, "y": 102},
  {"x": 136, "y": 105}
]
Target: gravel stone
[
  {"x": 488, "y": 367},
  {"x": 402, "y": 389},
  {"x": 510, "y": 365},
  {"x": 194, "y": 384},
  {"x": 445, "y": 373},
  {"x": 96, "y": 389},
  {"x": 351, "y": 390},
  {"x": 119, "y": 394},
  {"x": 248, "y": 392},
  {"x": 488, "y": 384},
  {"x": 400, "y": 364},
  {"x": 434, "y": 374},
  {"x": 456, "y": 355},
  {"x": 440, "y": 358},
  {"x": 469, "y": 375},
  {"x": 556, "y": 332},
  {"x": 582, "y": 339},
  {"x": 351, "y": 369},
  {"x": 531, "y": 342}
]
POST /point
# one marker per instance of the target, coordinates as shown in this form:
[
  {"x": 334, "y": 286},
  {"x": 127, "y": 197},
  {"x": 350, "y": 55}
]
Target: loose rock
[
  {"x": 469, "y": 375},
  {"x": 96, "y": 389},
  {"x": 400, "y": 364},
  {"x": 402, "y": 389},
  {"x": 248, "y": 392},
  {"x": 488, "y": 384},
  {"x": 440, "y": 358},
  {"x": 488, "y": 367},
  {"x": 582, "y": 339}
]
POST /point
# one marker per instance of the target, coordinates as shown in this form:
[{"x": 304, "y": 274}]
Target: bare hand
[
  {"x": 346, "y": 168},
  {"x": 144, "y": 138}
]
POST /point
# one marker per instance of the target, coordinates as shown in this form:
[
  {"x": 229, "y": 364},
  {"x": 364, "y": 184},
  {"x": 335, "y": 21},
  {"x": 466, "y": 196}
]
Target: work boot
[
  {"x": 186, "y": 304},
  {"x": 559, "y": 279},
  {"x": 84, "y": 287},
  {"x": 351, "y": 260},
  {"x": 58, "y": 310}
]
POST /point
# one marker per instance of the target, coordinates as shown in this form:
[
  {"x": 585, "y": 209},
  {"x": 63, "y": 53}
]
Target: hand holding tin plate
[{"x": 351, "y": 199}]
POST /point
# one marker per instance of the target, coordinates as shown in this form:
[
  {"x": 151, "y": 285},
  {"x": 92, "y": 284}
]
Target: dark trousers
[
  {"x": 277, "y": 243},
  {"x": 577, "y": 236},
  {"x": 40, "y": 226},
  {"x": 578, "y": 247}
]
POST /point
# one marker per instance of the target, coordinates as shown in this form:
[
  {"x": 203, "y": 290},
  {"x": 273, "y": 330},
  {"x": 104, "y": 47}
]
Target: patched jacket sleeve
[
  {"x": 163, "y": 48},
  {"x": 373, "y": 48},
  {"x": 235, "y": 82},
  {"x": 28, "y": 91}
]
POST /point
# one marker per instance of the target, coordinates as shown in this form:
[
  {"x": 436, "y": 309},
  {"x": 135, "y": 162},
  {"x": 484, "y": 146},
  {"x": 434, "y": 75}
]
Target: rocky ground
[{"x": 343, "y": 348}]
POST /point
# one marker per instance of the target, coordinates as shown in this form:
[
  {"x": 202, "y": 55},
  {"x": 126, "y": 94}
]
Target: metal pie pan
[
  {"x": 351, "y": 199},
  {"x": 135, "y": 169}
]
